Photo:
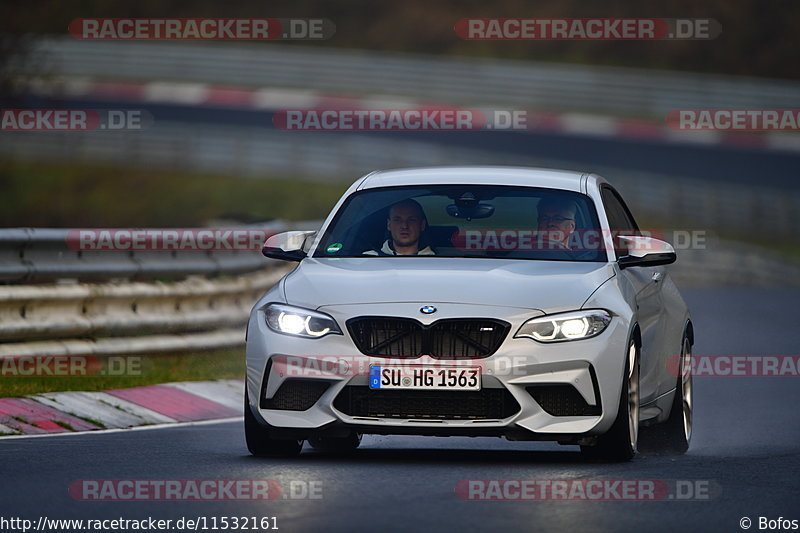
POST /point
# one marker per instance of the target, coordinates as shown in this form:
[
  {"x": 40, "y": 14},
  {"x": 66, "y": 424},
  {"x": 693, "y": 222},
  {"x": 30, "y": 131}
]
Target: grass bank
[
  {"x": 88, "y": 195},
  {"x": 127, "y": 371}
]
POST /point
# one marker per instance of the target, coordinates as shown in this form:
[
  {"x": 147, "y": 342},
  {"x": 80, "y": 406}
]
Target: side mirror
[
  {"x": 288, "y": 246},
  {"x": 646, "y": 251}
]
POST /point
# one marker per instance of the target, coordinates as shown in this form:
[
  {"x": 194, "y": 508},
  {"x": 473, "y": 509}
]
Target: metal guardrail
[
  {"x": 61, "y": 301},
  {"x": 131, "y": 317},
  {"x": 456, "y": 80},
  {"x": 83, "y": 310},
  {"x": 37, "y": 255}
]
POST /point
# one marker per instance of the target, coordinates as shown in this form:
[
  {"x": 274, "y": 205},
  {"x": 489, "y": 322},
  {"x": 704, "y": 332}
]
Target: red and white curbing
[
  {"x": 168, "y": 403},
  {"x": 274, "y": 98}
]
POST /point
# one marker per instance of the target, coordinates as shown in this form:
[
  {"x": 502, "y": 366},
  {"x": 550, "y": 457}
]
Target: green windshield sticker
[{"x": 335, "y": 247}]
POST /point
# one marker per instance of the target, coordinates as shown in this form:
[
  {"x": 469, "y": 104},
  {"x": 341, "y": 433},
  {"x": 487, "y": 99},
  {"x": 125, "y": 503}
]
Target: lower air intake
[
  {"x": 562, "y": 400},
  {"x": 436, "y": 405},
  {"x": 296, "y": 395}
]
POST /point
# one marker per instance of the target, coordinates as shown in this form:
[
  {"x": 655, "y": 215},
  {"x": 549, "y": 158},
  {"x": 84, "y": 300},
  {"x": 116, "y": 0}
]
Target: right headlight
[
  {"x": 570, "y": 326},
  {"x": 300, "y": 322}
]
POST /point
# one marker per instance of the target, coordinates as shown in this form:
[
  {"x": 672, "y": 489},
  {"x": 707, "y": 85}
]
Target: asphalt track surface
[
  {"x": 746, "y": 448},
  {"x": 718, "y": 163}
]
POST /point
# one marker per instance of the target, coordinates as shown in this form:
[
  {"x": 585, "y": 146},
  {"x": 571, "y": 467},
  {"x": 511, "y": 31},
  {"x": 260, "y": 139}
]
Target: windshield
[{"x": 483, "y": 221}]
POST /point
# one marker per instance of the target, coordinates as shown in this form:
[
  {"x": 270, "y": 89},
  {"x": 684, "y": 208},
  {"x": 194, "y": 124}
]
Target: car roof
[{"x": 480, "y": 175}]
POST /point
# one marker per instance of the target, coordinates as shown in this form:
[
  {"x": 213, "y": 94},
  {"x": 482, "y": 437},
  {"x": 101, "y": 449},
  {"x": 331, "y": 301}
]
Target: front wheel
[
  {"x": 259, "y": 441},
  {"x": 673, "y": 436},
  {"x": 619, "y": 443}
]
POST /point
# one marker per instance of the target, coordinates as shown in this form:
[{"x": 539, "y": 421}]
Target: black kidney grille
[
  {"x": 391, "y": 337},
  {"x": 445, "y": 339},
  {"x": 466, "y": 338},
  {"x": 491, "y": 404}
]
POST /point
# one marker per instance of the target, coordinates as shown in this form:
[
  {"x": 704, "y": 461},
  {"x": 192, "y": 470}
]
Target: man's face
[
  {"x": 405, "y": 224},
  {"x": 558, "y": 223}
]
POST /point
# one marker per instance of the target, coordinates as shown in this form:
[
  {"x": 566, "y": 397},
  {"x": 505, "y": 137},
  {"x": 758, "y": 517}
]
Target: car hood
[{"x": 548, "y": 286}]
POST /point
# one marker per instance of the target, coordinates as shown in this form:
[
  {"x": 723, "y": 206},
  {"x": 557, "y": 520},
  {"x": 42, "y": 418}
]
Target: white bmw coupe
[{"x": 476, "y": 301}]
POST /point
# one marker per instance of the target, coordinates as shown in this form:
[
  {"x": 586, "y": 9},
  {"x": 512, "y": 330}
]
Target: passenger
[
  {"x": 406, "y": 225},
  {"x": 556, "y": 219}
]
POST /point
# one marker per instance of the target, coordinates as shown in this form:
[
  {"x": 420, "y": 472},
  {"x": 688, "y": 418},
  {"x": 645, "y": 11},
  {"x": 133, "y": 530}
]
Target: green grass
[
  {"x": 162, "y": 368},
  {"x": 87, "y": 195},
  {"x": 789, "y": 249}
]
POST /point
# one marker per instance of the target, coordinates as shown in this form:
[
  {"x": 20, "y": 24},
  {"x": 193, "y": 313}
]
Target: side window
[{"x": 620, "y": 220}]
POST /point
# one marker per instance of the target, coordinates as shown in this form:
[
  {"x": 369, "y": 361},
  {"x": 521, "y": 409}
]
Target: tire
[
  {"x": 259, "y": 441},
  {"x": 336, "y": 445},
  {"x": 673, "y": 436},
  {"x": 620, "y": 442}
]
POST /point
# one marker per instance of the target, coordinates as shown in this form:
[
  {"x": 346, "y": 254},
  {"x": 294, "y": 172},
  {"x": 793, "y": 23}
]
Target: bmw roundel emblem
[{"x": 427, "y": 310}]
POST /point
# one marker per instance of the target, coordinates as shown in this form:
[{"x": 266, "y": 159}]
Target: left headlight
[
  {"x": 566, "y": 326},
  {"x": 299, "y": 322}
]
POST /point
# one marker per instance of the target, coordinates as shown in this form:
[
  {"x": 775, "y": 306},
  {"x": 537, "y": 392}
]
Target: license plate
[{"x": 424, "y": 377}]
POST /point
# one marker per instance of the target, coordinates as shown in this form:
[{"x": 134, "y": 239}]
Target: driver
[
  {"x": 406, "y": 224},
  {"x": 556, "y": 220}
]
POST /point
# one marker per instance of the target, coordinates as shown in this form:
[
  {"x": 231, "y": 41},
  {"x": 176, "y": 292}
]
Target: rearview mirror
[
  {"x": 646, "y": 251},
  {"x": 288, "y": 246},
  {"x": 468, "y": 206},
  {"x": 477, "y": 211}
]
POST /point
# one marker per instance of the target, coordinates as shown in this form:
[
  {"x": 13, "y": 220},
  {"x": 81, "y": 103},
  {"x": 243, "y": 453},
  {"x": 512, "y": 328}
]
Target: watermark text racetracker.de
[
  {"x": 401, "y": 119},
  {"x": 70, "y": 366},
  {"x": 328, "y": 366},
  {"x": 247, "y": 29},
  {"x": 734, "y": 119},
  {"x": 165, "y": 490},
  {"x": 572, "y": 490},
  {"x": 582, "y": 240},
  {"x": 735, "y": 365},
  {"x": 587, "y": 29},
  {"x": 51, "y": 120},
  {"x": 167, "y": 240}
]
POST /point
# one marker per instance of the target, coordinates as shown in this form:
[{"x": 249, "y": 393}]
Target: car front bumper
[{"x": 526, "y": 369}]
